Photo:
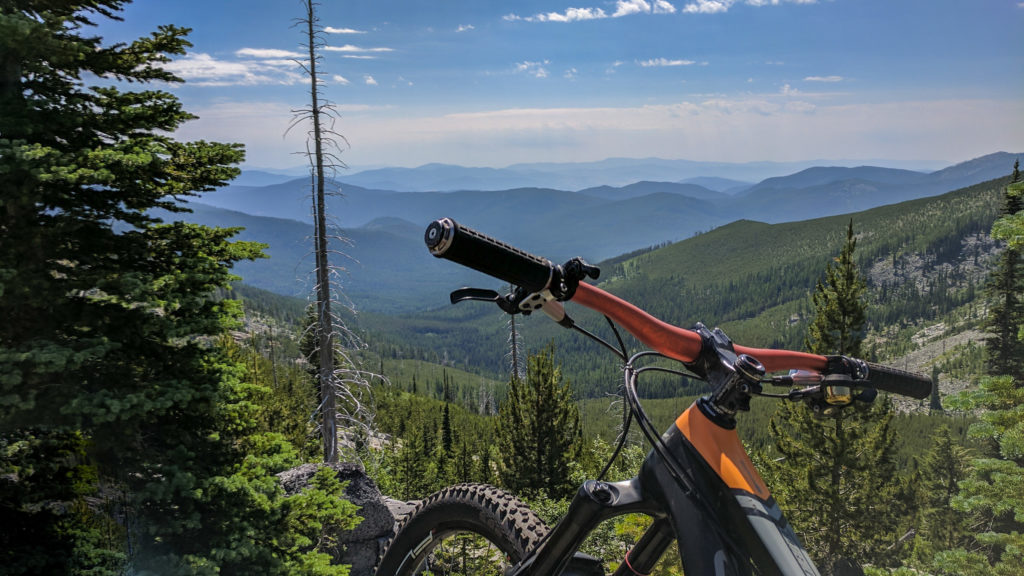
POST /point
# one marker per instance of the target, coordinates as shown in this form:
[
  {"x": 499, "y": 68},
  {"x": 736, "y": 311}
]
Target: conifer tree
[
  {"x": 838, "y": 477},
  {"x": 108, "y": 353},
  {"x": 840, "y": 311},
  {"x": 1006, "y": 288},
  {"x": 539, "y": 432},
  {"x": 992, "y": 494},
  {"x": 936, "y": 483}
]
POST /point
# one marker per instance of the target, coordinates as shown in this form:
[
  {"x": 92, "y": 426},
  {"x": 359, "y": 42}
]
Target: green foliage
[
  {"x": 309, "y": 518},
  {"x": 838, "y": 481},
  {"x": 840, "y": 311},
  {"x": 992, "y": 495},
  {"x": 416, "y": 463},
  {"x": 113, "y": 389},
  {"x": 50, "y": 525},
  {"x": 1006, "y": 315},
  {"x": 538, "y": 432},
  {"x": 837, "y": 478},
  {"x": 1005, "y": 287},
  {"x": 936, "y": 482}
]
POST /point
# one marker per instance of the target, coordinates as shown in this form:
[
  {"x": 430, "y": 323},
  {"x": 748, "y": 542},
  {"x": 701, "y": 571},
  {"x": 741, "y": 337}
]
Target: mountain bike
[{"x": 697, "y": 483}]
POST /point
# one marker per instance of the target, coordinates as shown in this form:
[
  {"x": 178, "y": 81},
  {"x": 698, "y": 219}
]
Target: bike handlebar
[
  {"x": 447, "y": 239},
  {"x": 899, "y": 381}
]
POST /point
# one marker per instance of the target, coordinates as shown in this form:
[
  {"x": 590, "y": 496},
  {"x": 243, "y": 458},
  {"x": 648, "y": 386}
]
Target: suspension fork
[
  {"x": 595, "y": 502},
  {"x": 644, "y": 555}
]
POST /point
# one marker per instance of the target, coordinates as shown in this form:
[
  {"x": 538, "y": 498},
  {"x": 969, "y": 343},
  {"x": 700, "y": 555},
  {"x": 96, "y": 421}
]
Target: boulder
[{"x": 362, "y": 546}]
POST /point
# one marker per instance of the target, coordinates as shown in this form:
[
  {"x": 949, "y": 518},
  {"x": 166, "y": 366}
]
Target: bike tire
[{"x": 464, "y": 511}]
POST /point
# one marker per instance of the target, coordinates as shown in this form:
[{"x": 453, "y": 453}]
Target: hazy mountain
[
  {"x": 387, "y": 257},
  {"x": 595, "y": 223},
  {"x": 644, "y": 188},
  {"x": 808, "y": 193},
  {"x": 818, "y": 176},
  {"x": 724, "y": 185},
  {"x": 564, "y": 176},
  {"x": 384, "y": 267},
  {"x": 260, "y": 178},
  {"x": 826, "y": 191}
]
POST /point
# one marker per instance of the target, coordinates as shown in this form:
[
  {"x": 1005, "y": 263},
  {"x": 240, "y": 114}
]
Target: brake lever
[
  {"x": 509, "y": 303},
  {"x": 506, "y": 303},
  {"x": 481, "y": 294}
]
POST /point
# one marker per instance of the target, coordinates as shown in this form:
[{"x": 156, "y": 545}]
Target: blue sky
[{"x": 484, "y": 83}]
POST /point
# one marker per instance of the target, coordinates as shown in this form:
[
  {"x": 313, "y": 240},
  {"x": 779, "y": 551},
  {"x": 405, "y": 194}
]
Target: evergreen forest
[{"x": 149, "y": 398}]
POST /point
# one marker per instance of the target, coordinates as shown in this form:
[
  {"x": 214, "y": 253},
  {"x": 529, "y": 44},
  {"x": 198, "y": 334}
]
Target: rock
[{"x": 360, "y": 547}]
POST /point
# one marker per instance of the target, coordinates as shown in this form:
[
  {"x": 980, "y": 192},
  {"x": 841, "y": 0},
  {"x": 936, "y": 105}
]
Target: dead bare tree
[{"x": 344, "y": 388}]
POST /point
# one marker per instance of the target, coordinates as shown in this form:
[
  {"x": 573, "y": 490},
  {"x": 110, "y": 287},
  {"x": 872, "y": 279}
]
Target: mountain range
[
  {"x": 385, "y": 226},
  {"x": 574, "y": 175}
]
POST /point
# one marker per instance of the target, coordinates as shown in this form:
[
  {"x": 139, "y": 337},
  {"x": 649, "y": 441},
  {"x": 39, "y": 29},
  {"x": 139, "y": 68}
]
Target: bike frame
[
  {"x": 722, "y": 523},
  {"x": 698, "y": 484}
]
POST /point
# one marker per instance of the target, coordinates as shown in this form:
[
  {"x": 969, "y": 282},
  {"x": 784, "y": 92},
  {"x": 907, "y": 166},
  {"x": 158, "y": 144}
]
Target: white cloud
[
  {"x": 201, "y": 69},
  {"x": 718, "y": 6},
  {"x": 535, "y": 69},
  {"x": 657, "y": 62},
  {"x": 663, "y": 7},
  {"x": 267, "y": 53},
  {"x": 622, "y": 8},
  {"x": 708, "y": 6},
  {"x": 571, "y": 74},
  {"x": 629, "y": 7},
  {"x": 570, "y": 15},
  {"x": 352, "y": 49},
  {"x": 823, "y": 79},
  {"x": 465, "y": 28},
  {"x": 339, "y": 79},
  {"x": 332, "y": 30},
  {"x": 370, "y": 81}
]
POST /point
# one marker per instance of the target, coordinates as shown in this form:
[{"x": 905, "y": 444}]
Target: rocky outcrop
[{"x": 360, "y": 547}]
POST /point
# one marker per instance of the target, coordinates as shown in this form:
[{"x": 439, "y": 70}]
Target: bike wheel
[{"x": 464, "y": 530}]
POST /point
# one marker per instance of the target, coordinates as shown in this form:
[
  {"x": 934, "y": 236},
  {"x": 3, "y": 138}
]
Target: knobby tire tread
[{"x": 480, "y": 509}]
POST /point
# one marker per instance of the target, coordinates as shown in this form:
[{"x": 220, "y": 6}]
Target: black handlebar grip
[
  {"x": 447, "y": 239},
  {"x": 899, "y": 381}
]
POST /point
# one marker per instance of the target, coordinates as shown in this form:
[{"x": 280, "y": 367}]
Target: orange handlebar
[{"x": 680, "y": 343}]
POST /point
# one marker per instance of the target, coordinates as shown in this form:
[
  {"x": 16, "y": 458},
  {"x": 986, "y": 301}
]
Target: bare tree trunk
[
  {"x": 325, "y": 332},
  {"x": 345, "y": 394}
]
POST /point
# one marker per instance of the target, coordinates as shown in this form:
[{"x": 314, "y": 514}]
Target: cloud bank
[
  {"x": 752, "y": 127},
  {"x": 622, "y": 8}
]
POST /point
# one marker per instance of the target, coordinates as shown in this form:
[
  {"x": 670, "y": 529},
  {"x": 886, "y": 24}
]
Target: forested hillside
[{"x": 925, "y": 260}]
